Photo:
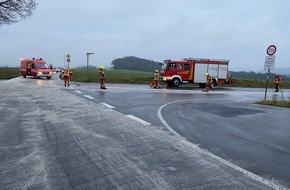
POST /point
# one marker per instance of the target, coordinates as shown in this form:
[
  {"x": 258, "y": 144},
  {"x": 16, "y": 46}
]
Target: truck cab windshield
[
  {"x": 41, "y": 66},
  {"x": 164, "y": 65}
]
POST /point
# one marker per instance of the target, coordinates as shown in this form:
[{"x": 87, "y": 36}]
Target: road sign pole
[
  {"x": 68, "y": 56},
  {"x": 267, "y": 84},
  {"x": 87, "y": 65},
  {"x": 269, "y": 64}
]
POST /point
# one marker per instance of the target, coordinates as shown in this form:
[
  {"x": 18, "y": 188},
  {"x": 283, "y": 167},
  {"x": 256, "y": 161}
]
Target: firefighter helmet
[
  {"x": 102, "y": 68},
  {"x": 206, "y": 74},
  {"x": 156, "y": 71}
]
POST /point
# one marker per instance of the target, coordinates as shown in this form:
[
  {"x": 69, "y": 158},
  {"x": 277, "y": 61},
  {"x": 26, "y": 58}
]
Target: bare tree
[{"x": 12, "y": 11}]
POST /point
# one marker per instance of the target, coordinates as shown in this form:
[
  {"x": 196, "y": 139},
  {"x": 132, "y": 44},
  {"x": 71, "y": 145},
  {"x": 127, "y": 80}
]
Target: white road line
[
  {"x": 227, "y": 163},
  {"x": 138, "y": 120},
  {"x": 107, "y": 105},
  {"x": 78, "y": 91},
  {"x": 89, "y": 97}
]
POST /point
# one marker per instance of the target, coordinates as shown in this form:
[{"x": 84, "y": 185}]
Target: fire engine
[
  {"x": 193, "y": 70},
  {"x": 35, "y": 67}
]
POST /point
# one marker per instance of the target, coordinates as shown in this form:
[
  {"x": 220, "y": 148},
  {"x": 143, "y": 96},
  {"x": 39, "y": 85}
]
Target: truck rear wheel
[
  {"x": 48, "y": 77},
  {"x": 214, "y": 82},
  {"x": 176, "y": 82}
]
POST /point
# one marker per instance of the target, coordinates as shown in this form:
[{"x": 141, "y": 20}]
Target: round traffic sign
[
  {"x": 271, "y": 50},
  {"x": 68, "y": 60}
]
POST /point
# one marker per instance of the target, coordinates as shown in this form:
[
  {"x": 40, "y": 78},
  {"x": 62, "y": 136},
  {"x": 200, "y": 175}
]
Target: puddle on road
[{"x": 225, "y": 111}]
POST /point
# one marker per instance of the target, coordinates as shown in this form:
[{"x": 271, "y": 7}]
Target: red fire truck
[
  {"x": 35, "y": 67},
  {"x": 193, "y": 70}
]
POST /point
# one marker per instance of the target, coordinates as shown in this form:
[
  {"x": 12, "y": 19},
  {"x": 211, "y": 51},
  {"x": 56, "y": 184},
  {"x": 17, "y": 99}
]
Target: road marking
[
  {"x": 211, "y": 155},
  {"x": 78, "y": 91},
  {"x": 107, "y": 105},
  {"x": 89, "y": 97},
  {"x": 138, "y": 120}
]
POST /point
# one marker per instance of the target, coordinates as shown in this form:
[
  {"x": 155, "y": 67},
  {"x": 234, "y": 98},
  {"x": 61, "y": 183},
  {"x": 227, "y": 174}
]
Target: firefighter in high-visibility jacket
[
  {"x": 208, "y": 82},
  {"x": 102, "y": 77},
  {"x": 67, "y": 73},
  {"x": 156, "y": 79},
  {"x": 277, "y": 82}
]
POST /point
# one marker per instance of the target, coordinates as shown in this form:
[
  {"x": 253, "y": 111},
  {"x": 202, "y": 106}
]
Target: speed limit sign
[{"x": 271, "y": 50}]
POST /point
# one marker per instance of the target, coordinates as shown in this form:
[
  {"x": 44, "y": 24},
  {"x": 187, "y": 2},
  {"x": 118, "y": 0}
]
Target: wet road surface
[{"x": 133, "y": 137}]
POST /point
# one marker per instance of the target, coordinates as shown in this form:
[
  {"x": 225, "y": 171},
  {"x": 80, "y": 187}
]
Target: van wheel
[{"x": 176, "y": 82}]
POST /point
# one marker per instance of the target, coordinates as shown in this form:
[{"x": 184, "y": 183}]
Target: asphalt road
[{"x": 134, "y": 137}]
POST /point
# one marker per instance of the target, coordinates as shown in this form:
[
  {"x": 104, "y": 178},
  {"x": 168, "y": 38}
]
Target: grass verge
[{"x": 275, "y": 103}]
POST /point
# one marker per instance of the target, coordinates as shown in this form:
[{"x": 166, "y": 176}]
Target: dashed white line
[
  {"x": 78, "y": 91},
  {"x": 89, "y": 97},
  {"x": 138, "y": 120},
  {"x": 107, "y": 105}
]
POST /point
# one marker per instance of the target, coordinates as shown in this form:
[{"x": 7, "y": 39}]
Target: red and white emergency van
[
  {"x": 35, "y": 67},
  {"x": 193, "y": 70}
]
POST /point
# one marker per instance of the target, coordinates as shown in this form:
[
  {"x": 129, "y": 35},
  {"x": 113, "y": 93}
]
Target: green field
[
  {"x": 134, "y": 77},
  {"x": 113, "y": 76},
  {"x": 9, "y": 73}
]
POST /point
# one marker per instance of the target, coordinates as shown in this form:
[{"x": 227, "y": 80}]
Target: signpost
[
  {"x": 68, "y": 56},
  {"x": 269, "y": 64}
]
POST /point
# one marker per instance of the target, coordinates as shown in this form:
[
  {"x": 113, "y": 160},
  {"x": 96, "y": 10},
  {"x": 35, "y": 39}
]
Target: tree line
[
  {"x": 135, "y": 63},
  {"x": 258, "y": 76}
]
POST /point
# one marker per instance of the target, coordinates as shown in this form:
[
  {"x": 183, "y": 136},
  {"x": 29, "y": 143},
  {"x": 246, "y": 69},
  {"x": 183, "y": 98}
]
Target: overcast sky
[{"x": 152, "y": 29}]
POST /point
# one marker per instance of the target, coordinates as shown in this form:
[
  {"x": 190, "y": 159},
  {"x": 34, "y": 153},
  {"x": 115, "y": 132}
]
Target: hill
[{"x": 135, "y": 63}]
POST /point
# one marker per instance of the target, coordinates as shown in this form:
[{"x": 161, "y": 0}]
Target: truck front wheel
[
  {"x": 176, "y": 82},
  {"x": 169, "y": 83}
]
